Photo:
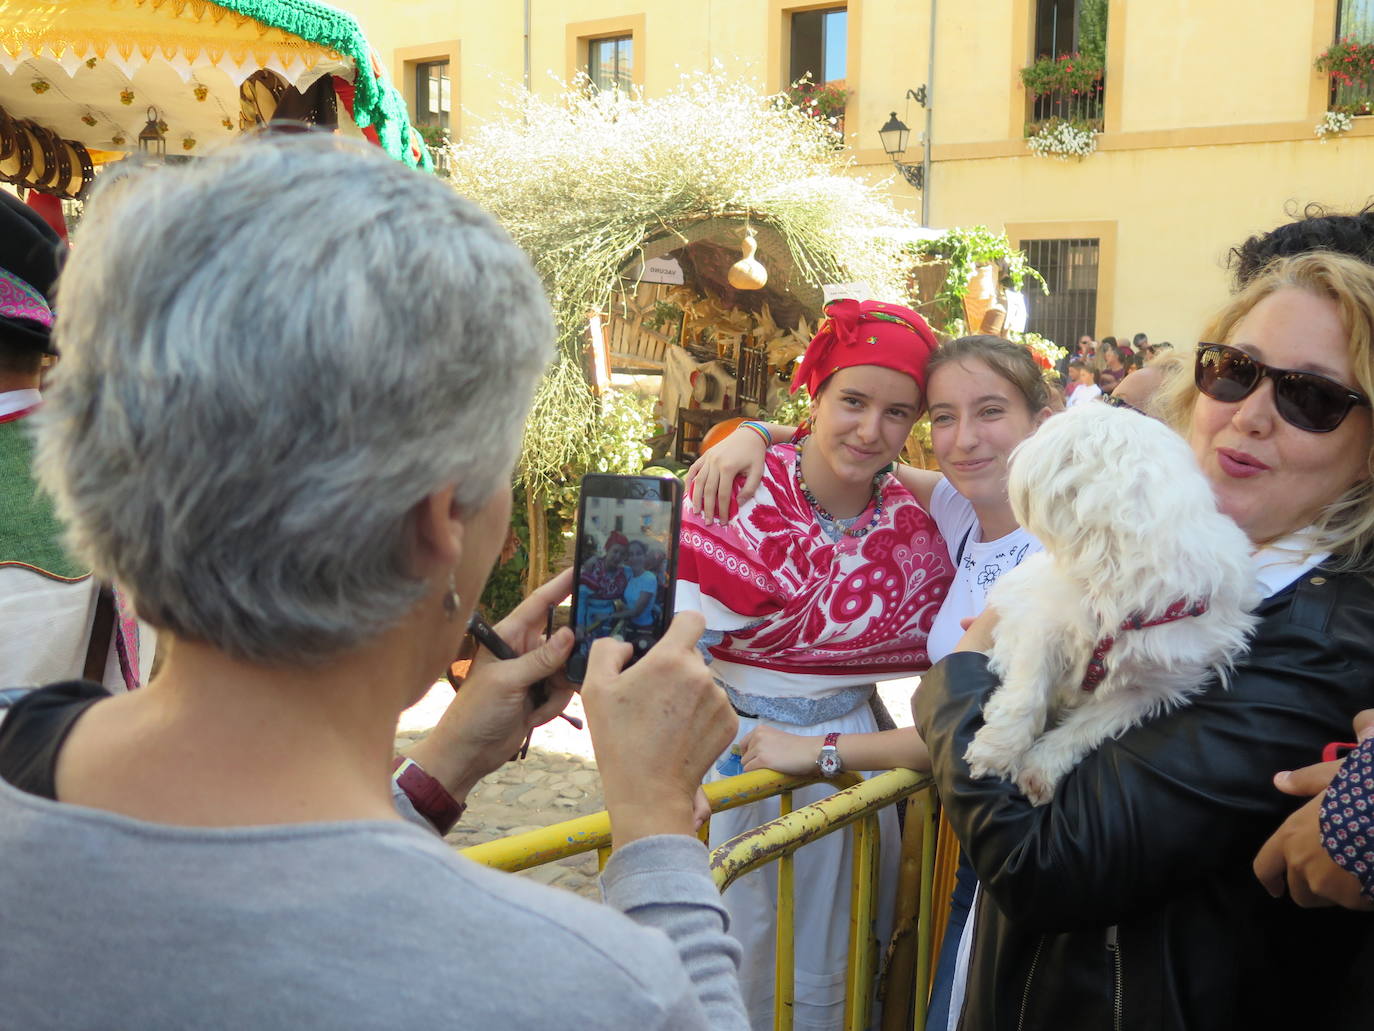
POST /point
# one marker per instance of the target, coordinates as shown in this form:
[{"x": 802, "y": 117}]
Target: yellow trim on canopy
[{"x": 174, "y": 28}]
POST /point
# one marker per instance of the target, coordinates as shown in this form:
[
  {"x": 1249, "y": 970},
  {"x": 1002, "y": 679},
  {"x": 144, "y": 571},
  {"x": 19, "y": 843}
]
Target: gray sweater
[{"x": 108, "y": 922}]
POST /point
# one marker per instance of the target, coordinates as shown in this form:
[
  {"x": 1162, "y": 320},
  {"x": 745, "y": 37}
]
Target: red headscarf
[
  {"x": 866, "y": 333},
  {"x": 616, "y": 537}
]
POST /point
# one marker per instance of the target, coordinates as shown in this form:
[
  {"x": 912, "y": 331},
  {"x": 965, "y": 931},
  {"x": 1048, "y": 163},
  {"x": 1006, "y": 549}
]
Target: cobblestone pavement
[{"x": 557, "y": 781}]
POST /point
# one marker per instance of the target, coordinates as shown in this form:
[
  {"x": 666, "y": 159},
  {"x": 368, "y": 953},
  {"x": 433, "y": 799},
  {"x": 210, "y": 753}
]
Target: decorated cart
[{"x": 87, "y": 81}]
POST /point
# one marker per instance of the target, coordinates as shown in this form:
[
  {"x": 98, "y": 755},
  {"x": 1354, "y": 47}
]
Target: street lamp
[{"x": 894, "y": 135}]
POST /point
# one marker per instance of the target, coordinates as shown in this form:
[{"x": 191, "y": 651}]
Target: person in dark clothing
[{"x": 1128, "y": 900}]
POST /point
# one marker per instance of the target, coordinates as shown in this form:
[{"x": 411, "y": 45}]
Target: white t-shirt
[
  {"x": 1082, "y": 392},
  {"x": 982, "y": 564}
]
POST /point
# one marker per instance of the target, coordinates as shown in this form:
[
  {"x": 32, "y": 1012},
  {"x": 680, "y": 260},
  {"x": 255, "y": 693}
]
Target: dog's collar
[{"x": 1097, "y": 666}]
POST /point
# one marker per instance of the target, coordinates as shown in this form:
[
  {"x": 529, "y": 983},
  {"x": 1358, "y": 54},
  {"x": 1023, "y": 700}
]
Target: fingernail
[
  {"x": 1281, "y": 778},
  {"x": 1365, "y": 733}
]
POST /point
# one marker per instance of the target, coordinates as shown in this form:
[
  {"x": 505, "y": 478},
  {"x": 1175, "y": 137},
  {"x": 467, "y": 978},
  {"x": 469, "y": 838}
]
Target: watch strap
[
  {"x": 832, "y": 738},
  {"x": 430, "y": 798}
]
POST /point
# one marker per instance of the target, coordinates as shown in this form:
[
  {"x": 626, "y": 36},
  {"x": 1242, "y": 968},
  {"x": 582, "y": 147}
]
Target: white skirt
[{"x": 821, "y": 879}]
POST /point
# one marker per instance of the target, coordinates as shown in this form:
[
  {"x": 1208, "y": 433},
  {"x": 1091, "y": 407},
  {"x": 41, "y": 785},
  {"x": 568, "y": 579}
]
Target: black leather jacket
[{"x": 1128, "y": 901}]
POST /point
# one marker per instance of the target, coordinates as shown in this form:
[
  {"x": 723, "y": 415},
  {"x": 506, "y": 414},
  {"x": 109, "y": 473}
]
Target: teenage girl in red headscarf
[{"x": 824, "y": 581}]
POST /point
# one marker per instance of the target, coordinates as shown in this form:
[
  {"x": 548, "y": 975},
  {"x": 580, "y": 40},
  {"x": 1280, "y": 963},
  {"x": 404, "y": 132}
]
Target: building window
[
  {"x": 432, "y": 93},
  {"x": 1354, "y": 93},
  {"x": 820, "y": 42},
  {"x": 610, "y": 62},
  {"x": 1069, "y": 27},
  {"x": 1069, "y": 310}
]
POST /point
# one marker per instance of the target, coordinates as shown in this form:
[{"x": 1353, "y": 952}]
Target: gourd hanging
[{"x": 748, "y": 273}]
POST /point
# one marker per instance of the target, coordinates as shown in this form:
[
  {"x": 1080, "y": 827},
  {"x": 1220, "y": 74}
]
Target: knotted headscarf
[{"x": 867, "y": 333}]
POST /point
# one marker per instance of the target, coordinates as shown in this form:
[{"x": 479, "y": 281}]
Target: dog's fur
[{"x": 1129, "y": 526}]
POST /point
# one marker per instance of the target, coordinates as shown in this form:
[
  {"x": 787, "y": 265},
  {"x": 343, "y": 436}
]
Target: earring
[{"x": 451, "y": 599}]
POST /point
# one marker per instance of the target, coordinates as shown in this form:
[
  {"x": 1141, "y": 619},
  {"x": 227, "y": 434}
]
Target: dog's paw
[
  {"x": 1036, "y": 784},
  {"x": 985, "y": 759}
]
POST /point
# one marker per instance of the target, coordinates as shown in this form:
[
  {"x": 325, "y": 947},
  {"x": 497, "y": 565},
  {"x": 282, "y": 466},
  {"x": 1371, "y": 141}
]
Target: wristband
[
  {"x": 430, "y": 798},
  {"x": 761, "y": 430}
]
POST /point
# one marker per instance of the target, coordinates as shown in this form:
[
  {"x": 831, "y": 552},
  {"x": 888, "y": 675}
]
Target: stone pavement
[{"x": 557, "y": 781}]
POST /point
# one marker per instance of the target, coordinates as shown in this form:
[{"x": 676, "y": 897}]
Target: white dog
[{"x": 1142, "y": 590}]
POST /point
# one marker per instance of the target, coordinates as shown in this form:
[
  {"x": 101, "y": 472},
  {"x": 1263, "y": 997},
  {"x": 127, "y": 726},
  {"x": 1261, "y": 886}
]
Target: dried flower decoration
[
  {"x": 89, "y": 119},
  {"x": 40, "y": 86},
  {"x": 201, "y": 92},
  {"x": 189, "y": 143},
  {"x": 126, "y": 97}
]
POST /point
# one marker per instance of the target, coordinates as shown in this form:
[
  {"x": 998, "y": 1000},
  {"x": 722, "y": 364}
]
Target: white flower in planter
[
  {"x": 1333, "y": 123},
  {"x": 1063, "y": 140}
]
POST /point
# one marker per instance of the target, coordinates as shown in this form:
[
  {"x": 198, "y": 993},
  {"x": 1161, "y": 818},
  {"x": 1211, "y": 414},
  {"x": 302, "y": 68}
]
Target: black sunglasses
[{"x": 1310, "y": 402}]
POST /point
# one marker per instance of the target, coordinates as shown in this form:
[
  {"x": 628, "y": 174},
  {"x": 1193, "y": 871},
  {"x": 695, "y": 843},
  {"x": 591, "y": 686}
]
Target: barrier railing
[{"x": 857, "y": 803}]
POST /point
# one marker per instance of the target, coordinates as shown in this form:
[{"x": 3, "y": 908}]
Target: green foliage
[
  {"x": 791, "y": 409},
  {"x": 433, "y": 135},
  {"x": 505, "y": 588},
  {"x": 665, "y": 313},
  {"x": 821, "y": 101},
  {"x": 1092, "y": 29},
  {"x": 624, "y": 422},
  {"x": 1066, "y": 75},
  {"x": 1348, "y": 61},
  {"x": 581, "y": 180},
  {"x": 966, "y": 249}
]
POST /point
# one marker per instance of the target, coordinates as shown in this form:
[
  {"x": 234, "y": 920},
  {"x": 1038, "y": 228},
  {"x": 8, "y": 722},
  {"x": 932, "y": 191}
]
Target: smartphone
[{"x": 626, "y": 562}]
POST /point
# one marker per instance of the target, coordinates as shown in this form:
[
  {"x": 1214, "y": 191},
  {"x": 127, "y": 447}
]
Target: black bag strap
[
  {"x": 959, "y": 555},
  {"x": 102, "y": 632}
]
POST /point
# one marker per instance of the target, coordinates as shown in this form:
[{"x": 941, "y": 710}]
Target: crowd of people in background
[{"x": 1095, "y": 368}]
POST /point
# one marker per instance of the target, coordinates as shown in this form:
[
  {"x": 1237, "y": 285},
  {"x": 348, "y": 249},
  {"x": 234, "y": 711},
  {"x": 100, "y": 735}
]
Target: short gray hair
[{"x": 270, "y": 358}]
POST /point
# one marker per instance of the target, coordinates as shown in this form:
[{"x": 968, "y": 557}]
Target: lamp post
[
  {"x": 895, "y": 133},
  {"x": 152, "y": 143}
]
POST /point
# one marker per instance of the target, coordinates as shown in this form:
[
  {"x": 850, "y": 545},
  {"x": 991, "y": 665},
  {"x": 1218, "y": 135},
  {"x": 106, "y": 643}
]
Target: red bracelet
[{"x": 430, "y": 798}]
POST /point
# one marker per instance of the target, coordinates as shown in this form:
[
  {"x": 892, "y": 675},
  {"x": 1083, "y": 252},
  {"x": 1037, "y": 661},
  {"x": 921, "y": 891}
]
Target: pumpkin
[{"x": 717, "y": 433}]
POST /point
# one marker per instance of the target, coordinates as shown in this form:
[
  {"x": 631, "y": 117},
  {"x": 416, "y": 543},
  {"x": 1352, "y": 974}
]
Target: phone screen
[{"x": 626, "y": 565}]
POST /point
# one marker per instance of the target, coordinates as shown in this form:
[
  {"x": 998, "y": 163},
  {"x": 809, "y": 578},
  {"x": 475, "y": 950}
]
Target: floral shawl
[{"x": 791, "y": 600}]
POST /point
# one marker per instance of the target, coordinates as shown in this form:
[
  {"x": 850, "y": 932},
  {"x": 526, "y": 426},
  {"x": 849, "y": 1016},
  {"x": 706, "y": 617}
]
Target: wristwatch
[{"x": 829, "y": 760}]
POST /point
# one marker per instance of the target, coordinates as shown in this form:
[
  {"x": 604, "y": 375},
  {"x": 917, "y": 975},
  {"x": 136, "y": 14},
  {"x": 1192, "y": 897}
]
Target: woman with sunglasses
[{"x": 1128, "y": 900}]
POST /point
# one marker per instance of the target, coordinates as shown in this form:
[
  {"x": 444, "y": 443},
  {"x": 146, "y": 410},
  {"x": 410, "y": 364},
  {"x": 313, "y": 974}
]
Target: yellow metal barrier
[{"x": 857, "y": 802}]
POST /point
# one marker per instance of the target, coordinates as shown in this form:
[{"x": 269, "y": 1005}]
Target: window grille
[{"x": 1070, "y": 268}]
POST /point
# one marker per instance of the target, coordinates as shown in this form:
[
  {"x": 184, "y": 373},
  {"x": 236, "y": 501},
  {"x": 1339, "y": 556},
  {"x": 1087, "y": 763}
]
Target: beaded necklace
[{"x": 848, "y": 531}]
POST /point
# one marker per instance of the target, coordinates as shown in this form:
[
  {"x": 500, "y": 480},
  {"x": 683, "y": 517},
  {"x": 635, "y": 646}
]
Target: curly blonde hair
[{"x": 1346, "y": 526}]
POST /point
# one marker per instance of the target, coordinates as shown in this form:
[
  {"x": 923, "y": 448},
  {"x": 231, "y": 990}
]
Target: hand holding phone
[{"x": 626, "y": 563}]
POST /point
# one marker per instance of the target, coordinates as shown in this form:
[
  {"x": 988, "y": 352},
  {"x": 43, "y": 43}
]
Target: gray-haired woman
[{"x": 295, "y": 380}]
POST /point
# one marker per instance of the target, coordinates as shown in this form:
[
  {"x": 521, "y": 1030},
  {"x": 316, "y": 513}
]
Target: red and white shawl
[{"x": 838, "y": 612}]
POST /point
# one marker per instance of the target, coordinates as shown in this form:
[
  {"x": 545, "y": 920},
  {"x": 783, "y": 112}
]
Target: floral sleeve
[{"x": 1348, "y": 816}]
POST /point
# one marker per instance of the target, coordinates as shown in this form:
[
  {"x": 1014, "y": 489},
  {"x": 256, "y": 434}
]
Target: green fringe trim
[{"x": 376, "y": 102}]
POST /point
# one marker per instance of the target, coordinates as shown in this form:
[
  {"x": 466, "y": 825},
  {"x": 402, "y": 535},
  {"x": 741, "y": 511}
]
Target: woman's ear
[
  {"x": 1042, "y": 415},
  {"x": 438, "y": 528}
]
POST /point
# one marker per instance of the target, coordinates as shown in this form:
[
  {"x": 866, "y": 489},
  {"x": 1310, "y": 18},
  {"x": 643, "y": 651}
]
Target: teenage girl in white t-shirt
[{"x": 986, "y": 396}]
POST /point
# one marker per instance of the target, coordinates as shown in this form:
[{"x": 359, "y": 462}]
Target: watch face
[{"x": 829, "y": 763}]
